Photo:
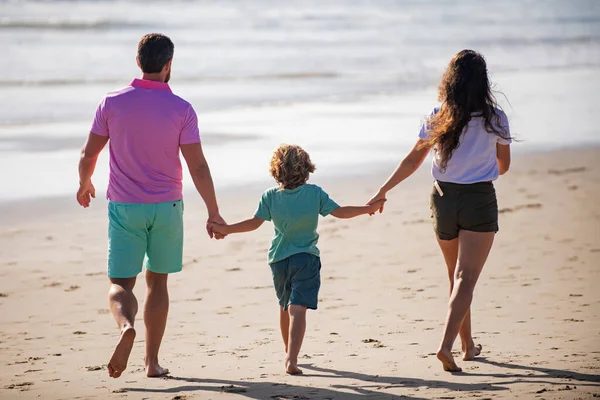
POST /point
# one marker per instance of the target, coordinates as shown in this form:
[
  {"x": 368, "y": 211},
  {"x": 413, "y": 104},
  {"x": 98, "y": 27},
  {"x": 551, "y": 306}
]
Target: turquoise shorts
[{"x": 139, "y": 230}]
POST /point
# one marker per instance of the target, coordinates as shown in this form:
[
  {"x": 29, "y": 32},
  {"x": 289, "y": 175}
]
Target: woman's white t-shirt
[{"x": 474, "y": 160}]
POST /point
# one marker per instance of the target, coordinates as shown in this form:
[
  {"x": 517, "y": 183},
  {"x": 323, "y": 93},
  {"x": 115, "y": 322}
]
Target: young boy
[{"x": 294, "y": 207}]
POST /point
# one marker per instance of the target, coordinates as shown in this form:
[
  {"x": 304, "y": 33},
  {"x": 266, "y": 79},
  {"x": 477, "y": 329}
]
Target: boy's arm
[
  {"x": 248, "y": 225},
  {"x": 355, "y": 211}
]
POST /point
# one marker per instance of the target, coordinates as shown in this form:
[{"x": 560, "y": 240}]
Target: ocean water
[{"x": 350, "y": 80}]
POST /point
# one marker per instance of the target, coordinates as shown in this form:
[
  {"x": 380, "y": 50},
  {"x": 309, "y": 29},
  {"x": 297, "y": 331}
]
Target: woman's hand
[{"x": 377, "y": 198}]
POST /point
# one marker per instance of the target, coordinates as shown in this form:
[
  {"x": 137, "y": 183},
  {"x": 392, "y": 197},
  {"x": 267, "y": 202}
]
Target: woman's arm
[
  {"x": 248, "y": 225},
  {"x": 406, "y": 168},
  {"x": 503, "y": 157},
  {"x": 355, "y": 211}
]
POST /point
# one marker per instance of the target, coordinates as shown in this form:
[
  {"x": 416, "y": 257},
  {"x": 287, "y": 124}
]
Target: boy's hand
[
  {"x": 376, "y": 199},
  {"x": 217, "y": 219},
  {"x": 218, "y": 229},
  {"x": 376, "y": 205}
]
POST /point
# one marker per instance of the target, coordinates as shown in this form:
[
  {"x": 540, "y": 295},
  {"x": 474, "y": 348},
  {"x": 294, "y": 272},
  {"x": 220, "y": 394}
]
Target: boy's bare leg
[
  {"x": 284, "y": 325},
  {"x": 124, "y": 307},
  {"x": 296, "y": 336},
  {"x": 473, "y": 249},
  {"x": 156, "y": 309},
  {"x": 450, "y": 252}
]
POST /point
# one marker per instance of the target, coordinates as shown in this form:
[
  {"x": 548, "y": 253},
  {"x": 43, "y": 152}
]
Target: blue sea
[{"x": 350, "y": 80}]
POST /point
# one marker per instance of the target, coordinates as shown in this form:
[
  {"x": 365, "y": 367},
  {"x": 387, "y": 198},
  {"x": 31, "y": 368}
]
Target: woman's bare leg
[
  {"x": 450, "y": 252},
  {"x": 473, "y": 250}
]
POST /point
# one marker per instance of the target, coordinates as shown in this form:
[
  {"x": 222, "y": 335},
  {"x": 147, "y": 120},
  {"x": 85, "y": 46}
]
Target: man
[{"x": 147, "y": 126}]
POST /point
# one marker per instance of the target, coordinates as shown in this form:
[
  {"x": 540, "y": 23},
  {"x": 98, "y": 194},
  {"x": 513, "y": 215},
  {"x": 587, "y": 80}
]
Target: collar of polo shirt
[{"x": 146, "y": 84}]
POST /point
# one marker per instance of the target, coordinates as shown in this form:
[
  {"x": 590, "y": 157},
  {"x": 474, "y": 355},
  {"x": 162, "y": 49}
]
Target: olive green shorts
[{"x": 471, "y": 207}]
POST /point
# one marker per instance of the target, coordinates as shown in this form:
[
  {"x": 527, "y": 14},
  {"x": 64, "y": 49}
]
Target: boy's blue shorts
[
  {"x": 297, "y": 280},
  {"x": 139, "y": 230}
]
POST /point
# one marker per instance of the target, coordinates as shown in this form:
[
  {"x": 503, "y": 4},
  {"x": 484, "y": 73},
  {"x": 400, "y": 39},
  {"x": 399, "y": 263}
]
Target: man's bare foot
[
  {"x": 472, "y": 352},
  {"x": 447, "y": 361},
  {"x": 292, "y": 368},
  {"x": 156, "y": 371},
  {"x": 118, "y": 361}
]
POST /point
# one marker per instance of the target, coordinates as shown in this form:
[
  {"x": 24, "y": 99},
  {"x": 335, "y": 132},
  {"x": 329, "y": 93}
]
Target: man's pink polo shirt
[{"x": 146, "y": 123}]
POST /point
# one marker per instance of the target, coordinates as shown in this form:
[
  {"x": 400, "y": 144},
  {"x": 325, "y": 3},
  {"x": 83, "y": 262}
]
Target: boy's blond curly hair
[{"x": 291, "y": 166}]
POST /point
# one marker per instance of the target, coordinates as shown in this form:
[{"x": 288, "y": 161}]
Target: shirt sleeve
[
  {"x": 190, "y": 133},
  {"x": 100, "y": 124},
  {"x": 327, "y": 205},
  {"x": 264, "y": 210},
  {"x": 423, "y": 132},
  {"x": 504, "y": 129}
]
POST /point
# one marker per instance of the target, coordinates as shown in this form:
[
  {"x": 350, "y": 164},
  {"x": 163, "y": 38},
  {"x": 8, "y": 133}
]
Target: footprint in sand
[
  {"x": 567, "y": 171},
  {"x": 22, "y": 386}
]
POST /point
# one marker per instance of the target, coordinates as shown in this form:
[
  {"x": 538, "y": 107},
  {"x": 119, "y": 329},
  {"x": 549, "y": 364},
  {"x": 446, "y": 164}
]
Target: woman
[{"x": 470, "y": 138}]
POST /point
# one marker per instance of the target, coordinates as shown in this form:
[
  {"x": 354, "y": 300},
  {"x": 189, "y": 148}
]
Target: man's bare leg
[
  {"x": 296, "y": 336},
  {"x": 284, "y": 325},
  {"x": 473, "y": 249},
  {"x": 156, "y": 309},
  {"x": 124, "y": 307},
  {"x": 450, "y": 252}
]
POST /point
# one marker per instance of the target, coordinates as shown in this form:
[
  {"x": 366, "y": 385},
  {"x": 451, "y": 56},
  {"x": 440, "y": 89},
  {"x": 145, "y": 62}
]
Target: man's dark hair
[{"x": 154, "y": 51}]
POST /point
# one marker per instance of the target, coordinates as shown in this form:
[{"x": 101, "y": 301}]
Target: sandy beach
[{"x": 382, "y": 304}]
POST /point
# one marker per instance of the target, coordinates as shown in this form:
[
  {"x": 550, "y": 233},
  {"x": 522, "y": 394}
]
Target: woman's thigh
[{"x": 473, "y": 251}]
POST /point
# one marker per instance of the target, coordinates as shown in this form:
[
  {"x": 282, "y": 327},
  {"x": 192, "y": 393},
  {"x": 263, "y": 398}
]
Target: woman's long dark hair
[{"x": 465, "y": 88}]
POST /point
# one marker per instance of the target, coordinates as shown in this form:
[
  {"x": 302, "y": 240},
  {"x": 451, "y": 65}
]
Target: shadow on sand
[{"x": 374, "y": 386}]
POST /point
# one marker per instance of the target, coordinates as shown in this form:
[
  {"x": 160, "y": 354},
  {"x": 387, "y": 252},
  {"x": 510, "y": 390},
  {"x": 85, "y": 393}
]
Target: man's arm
[
  {"x": 87, "y": 163},
  {"x": 200, "y": 172}
]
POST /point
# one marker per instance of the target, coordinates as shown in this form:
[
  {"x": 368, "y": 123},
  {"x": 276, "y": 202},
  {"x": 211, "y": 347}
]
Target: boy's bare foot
[
  {"x": 156, "y": 371},
  {"x": 447, "y": 361},
  {"x": 118, "y": 361},
  {"x": 292, "y": 368},
  {"x": 472, "y": 352}
]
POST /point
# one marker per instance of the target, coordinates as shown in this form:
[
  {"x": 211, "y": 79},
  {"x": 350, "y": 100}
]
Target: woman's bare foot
[
  {"x": 472, "y": 352},
  {"x": 292, "y": 368},
  {"x": 154, "y": 370},
  {"x": 447, "y": 361},
  {"x": 118, "y": 361}
]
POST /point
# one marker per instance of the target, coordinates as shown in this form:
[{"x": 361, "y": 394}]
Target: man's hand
[
  {"x": 85, "y": 194},
  {"x": 376, "y": 199},
  {"x": 215, "y": 220},
  {"x": 218, "y": 229}
]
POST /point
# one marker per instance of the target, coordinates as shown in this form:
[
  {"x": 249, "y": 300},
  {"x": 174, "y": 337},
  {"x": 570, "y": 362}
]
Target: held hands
[
  {"x": 86, "y": 192},
  {"x": 377, "y": 202},
  {"x": 218, "y": 229},
  {"x": 213, "y": 222}
]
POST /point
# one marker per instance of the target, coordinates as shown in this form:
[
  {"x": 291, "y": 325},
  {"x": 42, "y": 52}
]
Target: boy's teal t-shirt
[{"x": 295, "y": 215}]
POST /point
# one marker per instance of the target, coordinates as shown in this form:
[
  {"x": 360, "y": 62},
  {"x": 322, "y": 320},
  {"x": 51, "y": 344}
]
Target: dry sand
[{"x": 383, "y": 300}]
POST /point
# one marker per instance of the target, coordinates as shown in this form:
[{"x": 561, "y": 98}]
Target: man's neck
[{"x": 153, "y": 77}]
